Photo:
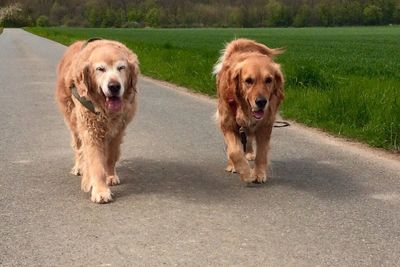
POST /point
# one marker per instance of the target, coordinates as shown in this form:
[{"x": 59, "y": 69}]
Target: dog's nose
[
  {"x": 261, "y": 102},
  {"x": 114, "y": 87}
]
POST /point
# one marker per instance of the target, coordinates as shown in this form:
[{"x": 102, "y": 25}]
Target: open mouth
[
  {"x": 258, "y": 115},
  {"x": 113, "y": 103}
]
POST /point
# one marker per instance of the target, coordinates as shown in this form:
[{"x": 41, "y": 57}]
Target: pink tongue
[
  {"x": 258, "y": 114},
  {"x": 114, "y": 103}
]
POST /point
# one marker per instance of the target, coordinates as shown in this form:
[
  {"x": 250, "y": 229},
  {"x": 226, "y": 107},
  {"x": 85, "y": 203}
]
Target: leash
[
  {"x": 281, "y": 124},
  {"x": 243, "y": 135}
]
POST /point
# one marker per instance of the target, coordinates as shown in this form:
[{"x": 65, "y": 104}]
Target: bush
[{"x": 42, "y": 21}]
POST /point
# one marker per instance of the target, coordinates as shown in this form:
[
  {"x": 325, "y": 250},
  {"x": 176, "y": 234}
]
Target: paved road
[{"x": 326, "y": 203}]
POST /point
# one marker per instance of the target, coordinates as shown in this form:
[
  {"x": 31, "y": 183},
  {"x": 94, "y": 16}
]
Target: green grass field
[{"x": 343, "y": 80}]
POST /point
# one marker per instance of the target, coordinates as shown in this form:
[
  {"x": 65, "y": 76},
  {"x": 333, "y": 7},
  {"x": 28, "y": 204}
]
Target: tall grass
[
  {"x": 343, "y": 80},
  {"x": 1, "y": 30}
]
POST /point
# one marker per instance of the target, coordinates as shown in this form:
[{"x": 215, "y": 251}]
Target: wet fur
[
  {"x": 243, "y": 57},
  {"x": 96, "y": 139}
]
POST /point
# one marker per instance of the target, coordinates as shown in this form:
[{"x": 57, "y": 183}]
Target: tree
[
  {"x": 372, "y": 14},
  {"x": 302, "y": 17},
  {"x": 277, "y": 14},
  {"x": 396, "y": 14},
  {"x": 324, "y": 14},
  {"x": 153, "y": 17},
  {"x": 57, "y": 13}
]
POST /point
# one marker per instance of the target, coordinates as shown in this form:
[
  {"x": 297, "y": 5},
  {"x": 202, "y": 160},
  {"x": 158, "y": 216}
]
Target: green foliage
[
  {"x": 57, "y": 13},
  {"x": 302, "y": 17},
  {"x": 277, "y": 14},
  {"x": 344, "y": 80},
  {"x": 205, "y": 13},
  {"x": 42, "y": 21},
  {"x": 152, "y": 17},
  {"x": 372, "y": 14}
]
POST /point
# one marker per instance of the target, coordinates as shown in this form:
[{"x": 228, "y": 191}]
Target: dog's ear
[
  {"x": 83, "y": 79},
  {"x": 238, "y": 89},
  {"x": 133, "y": 72},
  {"x": 234, "y": 81},
  {"x": 278, "y": 83}
]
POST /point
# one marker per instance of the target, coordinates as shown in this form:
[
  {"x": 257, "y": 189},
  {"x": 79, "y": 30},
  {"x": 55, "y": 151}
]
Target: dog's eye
[
  {"x": 121, "y": 68},
  {"x": 268, "y": 80},
  {"x": 249, "y": 81},
  {"x": 101, "y": 68}
]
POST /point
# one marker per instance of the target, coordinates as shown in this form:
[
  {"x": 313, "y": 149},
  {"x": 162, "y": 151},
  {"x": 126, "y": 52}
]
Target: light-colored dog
[
  {"x": 250, "y": 90},
  {"x": 96, "y": 93}
]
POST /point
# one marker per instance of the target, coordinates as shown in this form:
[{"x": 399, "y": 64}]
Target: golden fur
[
  {"x": 96, "y": 139},
  {"x": 246, "y": 75}
]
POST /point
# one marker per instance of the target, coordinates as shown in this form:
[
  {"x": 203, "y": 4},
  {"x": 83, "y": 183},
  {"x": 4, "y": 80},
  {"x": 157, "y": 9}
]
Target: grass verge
[{"x": 343, "y": 80}]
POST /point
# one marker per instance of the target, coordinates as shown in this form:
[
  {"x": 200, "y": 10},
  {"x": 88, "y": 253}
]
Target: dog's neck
[{"x": 242, "y": 113}]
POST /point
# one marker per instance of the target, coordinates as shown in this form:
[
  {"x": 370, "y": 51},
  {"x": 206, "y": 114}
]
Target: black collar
[
  {"x": 86, "y": 103},
  {"x": 91, "y": 40}
]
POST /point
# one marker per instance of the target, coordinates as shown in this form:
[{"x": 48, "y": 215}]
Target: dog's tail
[{"x": 244, "y": 45}]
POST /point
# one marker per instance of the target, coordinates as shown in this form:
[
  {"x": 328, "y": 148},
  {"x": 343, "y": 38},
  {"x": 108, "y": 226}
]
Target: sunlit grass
[{"x": 343, "y": 80}]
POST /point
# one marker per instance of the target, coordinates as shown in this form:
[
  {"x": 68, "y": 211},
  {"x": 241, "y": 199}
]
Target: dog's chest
[
  {"x": 246, "y": 121},
  {"x": 100, "y": 127}
]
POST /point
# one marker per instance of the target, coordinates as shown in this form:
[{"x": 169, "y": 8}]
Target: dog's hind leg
[{"x": 77, "y": 147}]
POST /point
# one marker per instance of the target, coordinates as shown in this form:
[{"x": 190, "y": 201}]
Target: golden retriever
[
  {"x": 250, "y": 90},
  {"x": 96, "y": 93}
]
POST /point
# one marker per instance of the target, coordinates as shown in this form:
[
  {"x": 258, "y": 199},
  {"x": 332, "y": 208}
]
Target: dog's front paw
[
  {"x": 112, "y": 180},
  {"x": 250, "y": 156},
  {"x": 101, "y": 196},
  {"x": 76, "y": 171},
  {"x": 247, "y": 176},
  {"x": 260, "y": 177},
  {"x": 86, "y": 185},
  {"x": 230, "y": 168}
]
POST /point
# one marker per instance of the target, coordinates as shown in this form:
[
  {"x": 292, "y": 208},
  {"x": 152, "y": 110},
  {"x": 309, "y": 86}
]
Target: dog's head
[
  {"x": 258, "y": 83},
  {"x": 107, "y": 73}
]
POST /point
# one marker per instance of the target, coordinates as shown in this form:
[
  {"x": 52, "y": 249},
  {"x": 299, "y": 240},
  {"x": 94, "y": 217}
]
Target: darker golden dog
[
  {"x": 250, "y": 90},
  {"x": 96, "y": 93}
]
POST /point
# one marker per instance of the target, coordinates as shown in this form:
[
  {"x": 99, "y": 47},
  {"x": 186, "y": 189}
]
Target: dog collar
[
  {"x": 91, "y": 40},
  {"x": 86, "y": 103}
]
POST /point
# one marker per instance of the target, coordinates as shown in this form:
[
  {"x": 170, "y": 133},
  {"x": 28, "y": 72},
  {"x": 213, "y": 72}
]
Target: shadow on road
[
  {"x": 181, "y": 179},
  {"x": 198, "y": 182},
  {"x": 321, "y": 179}
]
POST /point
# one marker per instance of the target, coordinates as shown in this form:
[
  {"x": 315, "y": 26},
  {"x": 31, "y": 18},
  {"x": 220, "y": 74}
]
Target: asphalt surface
[{"x": 326, "y": 203}]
